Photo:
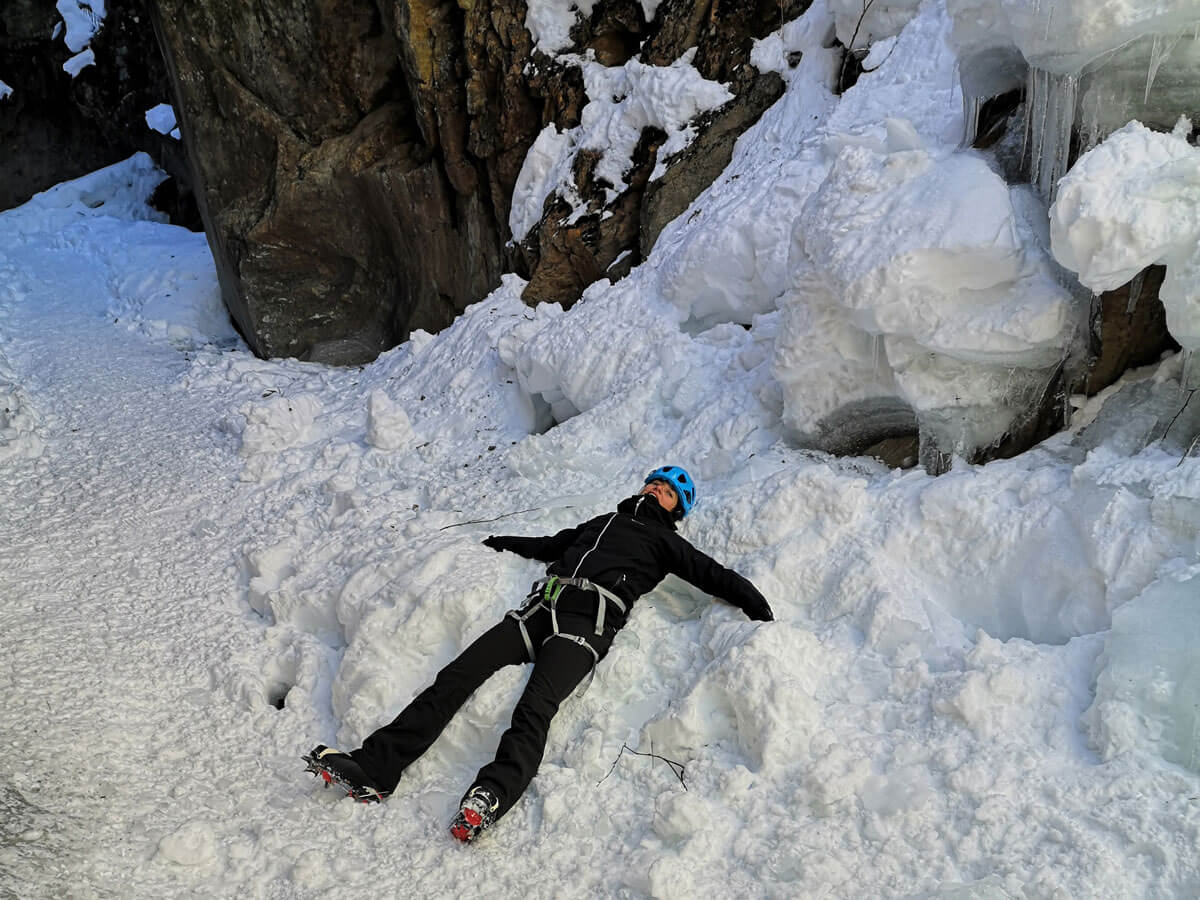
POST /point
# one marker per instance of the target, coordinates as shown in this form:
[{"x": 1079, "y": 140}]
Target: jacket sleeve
[
  {"x": 545, "y": 549},
  {"x": 710, "y": 576}
]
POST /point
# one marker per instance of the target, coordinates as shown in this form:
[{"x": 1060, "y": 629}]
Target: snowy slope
[{"x": 979, "y": 686}]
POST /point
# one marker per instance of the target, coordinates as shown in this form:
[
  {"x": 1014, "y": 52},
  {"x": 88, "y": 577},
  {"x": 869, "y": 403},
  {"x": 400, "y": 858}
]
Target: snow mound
[
  {"x": 192, "y": 844},
  {"x": 1129, "y": 203},
  {"x": 120, "y": 191},
  {"x": 388, "y": 425},
  {"x": 965, "y": 278}
]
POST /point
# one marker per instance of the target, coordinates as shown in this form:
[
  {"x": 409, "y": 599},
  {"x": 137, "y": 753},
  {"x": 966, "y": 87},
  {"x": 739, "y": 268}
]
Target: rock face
[
  {"x": 54, "y": 127},
  {"x": 565, "y": 253},
  {"x": 355, "y": 160}
]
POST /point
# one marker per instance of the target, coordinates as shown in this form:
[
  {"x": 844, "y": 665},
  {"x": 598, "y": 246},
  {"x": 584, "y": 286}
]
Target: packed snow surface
[{"x": 978, "y": 685}]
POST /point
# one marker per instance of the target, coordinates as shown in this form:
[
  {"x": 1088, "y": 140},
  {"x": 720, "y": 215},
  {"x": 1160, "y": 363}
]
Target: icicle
[
  {"x": 1027, "y": 130},
  {"x": 1066, "y": 90},
  {"x": 1135, "y": 292},
  {"x": 1162, "y": 47},
  {"x": 1089, "y": 127},
  {"x": 1051, "y": 99},
  {"x": 1049, "y": 20},
  {"x": 877, "y": 352},
  {"x": 1186, "y": 376},
  {"x": 972, "y": 107},
  {"x": 1035, "y": 129}
]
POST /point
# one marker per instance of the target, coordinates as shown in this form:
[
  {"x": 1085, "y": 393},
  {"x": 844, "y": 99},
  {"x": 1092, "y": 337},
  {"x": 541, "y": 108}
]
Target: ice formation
[
  {"x": 873, "y": 316},
  {"x": 1064, "y": 37},
  {"x": 1148, "y": 690}
]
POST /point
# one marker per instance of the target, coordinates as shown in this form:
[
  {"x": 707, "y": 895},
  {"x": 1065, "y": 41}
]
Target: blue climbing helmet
[{"x": 681, "y": 481}]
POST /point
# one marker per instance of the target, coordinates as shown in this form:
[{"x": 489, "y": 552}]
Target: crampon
[{"x": 338, "y": 769}]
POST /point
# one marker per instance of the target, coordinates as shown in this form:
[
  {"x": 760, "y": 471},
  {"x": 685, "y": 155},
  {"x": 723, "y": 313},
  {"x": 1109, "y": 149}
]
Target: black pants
[{"x": 561, "y": 664}]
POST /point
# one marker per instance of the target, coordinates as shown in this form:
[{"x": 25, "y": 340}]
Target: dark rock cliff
[{"x": 355, "y": 160}]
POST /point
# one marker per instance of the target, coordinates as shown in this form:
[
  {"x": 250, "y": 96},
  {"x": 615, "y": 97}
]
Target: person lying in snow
[{"x": 596, "y": 571}]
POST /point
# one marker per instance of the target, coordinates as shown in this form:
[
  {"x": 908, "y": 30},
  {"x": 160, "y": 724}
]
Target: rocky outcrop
[
  {"x": 355, "y": 161},
  {"x": 54, "y": 127},
  {"x": 566, "y": 252}
]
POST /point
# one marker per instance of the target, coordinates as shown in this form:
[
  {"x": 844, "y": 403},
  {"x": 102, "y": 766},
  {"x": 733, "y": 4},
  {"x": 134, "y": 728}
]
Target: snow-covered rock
[{"x": 1132, "y": 202}]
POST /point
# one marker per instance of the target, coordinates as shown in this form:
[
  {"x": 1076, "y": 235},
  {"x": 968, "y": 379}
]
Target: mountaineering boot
[
  {"x": 336, "y": 767},
  {"x": 476, "y": 812}
]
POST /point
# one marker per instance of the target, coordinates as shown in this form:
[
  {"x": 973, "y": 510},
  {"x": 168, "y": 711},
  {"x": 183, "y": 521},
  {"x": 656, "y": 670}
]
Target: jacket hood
[{"x": 645, "y": 507}]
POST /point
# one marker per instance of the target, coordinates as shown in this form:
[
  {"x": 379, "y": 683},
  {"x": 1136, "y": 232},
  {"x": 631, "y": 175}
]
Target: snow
[
  {"x": 860, "y": 24},
  {"x": 978, "y": 685},
  {"x": 1132, "y": 202},
  {"x": 161, "y": 118},
  {"x": 549, "y": 22},
  {"x": 5, "y": 91},
  {"x": 79, "y": 62},
  {"x": 83, "y": 19},
  {"x": 546, "y": 166},
  {"x": 623, "y": 101}
]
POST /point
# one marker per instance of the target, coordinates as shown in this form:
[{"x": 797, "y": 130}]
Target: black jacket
[{"x": 629, "y": 552}]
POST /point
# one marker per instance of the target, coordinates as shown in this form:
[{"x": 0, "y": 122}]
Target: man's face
[{"x": 663, "y": 492}]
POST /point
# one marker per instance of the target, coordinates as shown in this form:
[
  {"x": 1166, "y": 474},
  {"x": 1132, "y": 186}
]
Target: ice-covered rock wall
[{"x": 888, "y": 281}]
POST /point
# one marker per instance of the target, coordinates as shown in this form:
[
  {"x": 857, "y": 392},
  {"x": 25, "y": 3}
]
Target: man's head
[{"x": 673, "y": 488}]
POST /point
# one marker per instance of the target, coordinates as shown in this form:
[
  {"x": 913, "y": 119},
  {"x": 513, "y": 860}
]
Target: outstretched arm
[
  {"x": 546, "y": 549},
  {"x": 710, "y": 576}
]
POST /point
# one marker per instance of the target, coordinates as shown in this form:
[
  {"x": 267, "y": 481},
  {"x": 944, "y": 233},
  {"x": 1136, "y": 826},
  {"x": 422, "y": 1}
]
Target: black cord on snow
[
  {"x": 1171, "y": 424},
  {"x": 676, "y": 767},
  {"x": 497, "y": 518}
]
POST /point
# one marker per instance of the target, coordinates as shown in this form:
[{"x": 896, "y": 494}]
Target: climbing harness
[{"x": 545, "y": 594}]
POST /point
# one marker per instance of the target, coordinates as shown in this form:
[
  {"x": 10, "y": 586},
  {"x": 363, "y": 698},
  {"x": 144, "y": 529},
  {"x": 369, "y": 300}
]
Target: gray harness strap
[{"x": 545, "y": 594}]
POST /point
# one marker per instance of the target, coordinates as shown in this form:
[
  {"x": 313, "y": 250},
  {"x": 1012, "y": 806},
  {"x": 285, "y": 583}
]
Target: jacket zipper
[{"x": 597, "y": 544}]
